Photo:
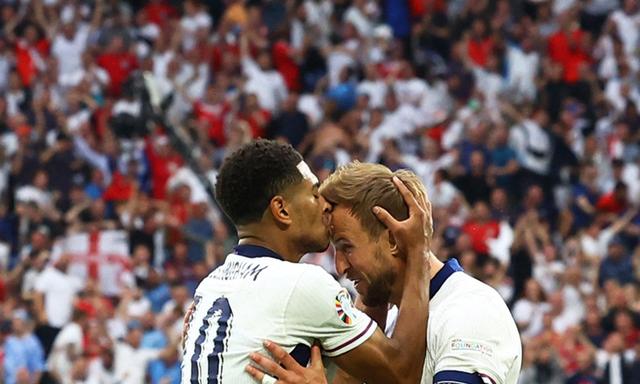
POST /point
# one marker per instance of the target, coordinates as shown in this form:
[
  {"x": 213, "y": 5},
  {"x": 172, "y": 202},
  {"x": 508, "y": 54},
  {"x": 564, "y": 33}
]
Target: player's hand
[
  {"x": 185, "y": 322},
  {"x": 285, "y": 368},
  {"x": 412, "y": 234}
]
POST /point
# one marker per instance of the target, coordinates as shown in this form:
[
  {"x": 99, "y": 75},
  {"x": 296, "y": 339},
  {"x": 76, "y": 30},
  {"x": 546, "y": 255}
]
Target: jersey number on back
[{"x": 216, "y": 324}]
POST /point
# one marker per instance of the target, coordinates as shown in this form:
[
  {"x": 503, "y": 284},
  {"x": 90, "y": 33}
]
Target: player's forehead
[
  {"x": 307, "y": 173},
  {"x": 305, "y": 186},
  {"x": 345, "y": 226},
  {"x": 309, "y": 182}
]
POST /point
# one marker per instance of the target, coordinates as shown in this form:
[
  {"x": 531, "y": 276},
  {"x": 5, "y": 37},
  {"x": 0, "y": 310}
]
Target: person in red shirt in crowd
[
  {"x": 31, "y": 50},
  {"x": 570, "y": 48},
  {"x": 122, "y": 187},
  {"x": 225, "y": 54},
  {"x": 160, "y": 12},
  {"x": 163, "y": 162},
  {"x": 479, "y": 44},
  {"x": 118, "y": 62},
  {"x": 91, "y": 300},
  {"x": 616, "y": 201},
  {"x": 481, "y": 228},
  {"x": 250, "y": 112},
  {"x": 569, "y": 346},
  {"x": 419, "y": 8},
  {"x": 285, "y": 61},
  {"x": 211, "y": 114},
  {"x": 178, "y": 264},
  {"x": 179, "y": 200},
  {"x": 623, "y": 323},
  {"x": 179, "y": 205}
]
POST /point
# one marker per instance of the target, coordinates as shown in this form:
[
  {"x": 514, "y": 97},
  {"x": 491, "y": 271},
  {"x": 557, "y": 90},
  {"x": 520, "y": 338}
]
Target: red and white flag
[{"x": 100, "y": 255}]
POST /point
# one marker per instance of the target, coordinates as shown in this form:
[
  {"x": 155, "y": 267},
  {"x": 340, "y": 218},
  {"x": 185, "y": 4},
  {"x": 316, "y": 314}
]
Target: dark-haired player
[{"x": 260, "y": 292}]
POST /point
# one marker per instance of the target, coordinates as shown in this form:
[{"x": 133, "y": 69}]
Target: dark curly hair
[{"x": 252, "y": 175}]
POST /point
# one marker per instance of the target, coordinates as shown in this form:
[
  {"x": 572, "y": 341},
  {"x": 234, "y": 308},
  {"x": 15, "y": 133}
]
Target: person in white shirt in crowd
[
  {"x": 529, "y": 309},
  {"x": 67, "y": 347},
  {"x": 130, "y": 360},
  {"x": 622, "y": 88},
  {"x": 55, "y": 292},
  {"x": 30, "y": 268},
  {"x": 613, "y": 360},
  {"x": 71, "y": 36},
  {"x": 627, "y": 22},
  {"x": 400, "y": 120},
  {"x": 361, "y": 14},
  {"x": 523, "y": 65},
  {"x": 594, "y": 241},
  {"x": 195, "y": 19},
  {"x": 37, "y": 192},
  {"x": 530, "y": 140},
  {"x": 374, "y": 86},
  {"x": 409, "y": 88},
  {"x": 427, "y": 165},
  {"x": 261, "y": 79},
  {"x": 95, "y": 77}
]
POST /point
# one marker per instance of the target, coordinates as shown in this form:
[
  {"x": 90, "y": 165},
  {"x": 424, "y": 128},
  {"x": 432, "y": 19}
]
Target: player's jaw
[
  {"x": 360, "y": 283},
  {"x": 376, "y": 290},
  {"x": 373, "y": 282}
]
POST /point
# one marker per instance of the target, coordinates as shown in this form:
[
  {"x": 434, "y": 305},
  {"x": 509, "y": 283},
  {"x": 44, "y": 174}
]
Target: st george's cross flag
[{"x": 99, "y": 255}]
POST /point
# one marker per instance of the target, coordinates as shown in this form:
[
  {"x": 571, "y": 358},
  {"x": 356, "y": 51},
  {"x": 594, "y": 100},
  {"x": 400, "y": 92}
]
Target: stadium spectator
[{"x": 24, "y": 359}]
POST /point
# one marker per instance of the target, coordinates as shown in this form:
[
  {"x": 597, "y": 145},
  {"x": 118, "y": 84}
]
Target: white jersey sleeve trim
[
  {"x": 352, "y": 343},
  {"x": 320, "y": 309}
]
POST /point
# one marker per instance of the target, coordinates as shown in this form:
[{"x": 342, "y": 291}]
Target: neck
[
  {"x": 435, "y": 266},
  {"x": 249, "y": 235}
]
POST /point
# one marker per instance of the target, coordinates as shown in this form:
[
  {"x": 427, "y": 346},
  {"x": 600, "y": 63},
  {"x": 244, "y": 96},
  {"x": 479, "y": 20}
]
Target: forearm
[
  {"x": 408, "y": 343},
  {"x": 343, "y": 377},
  {"x": 41, "y": 315}
]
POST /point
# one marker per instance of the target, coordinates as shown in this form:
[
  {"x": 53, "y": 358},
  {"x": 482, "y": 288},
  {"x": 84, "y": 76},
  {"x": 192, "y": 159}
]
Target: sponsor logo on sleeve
[{"x": 467, "y": 345}]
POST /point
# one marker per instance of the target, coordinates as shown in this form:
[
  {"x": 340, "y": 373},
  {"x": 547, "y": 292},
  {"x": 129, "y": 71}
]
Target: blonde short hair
[{"x": 361, "y": 186}]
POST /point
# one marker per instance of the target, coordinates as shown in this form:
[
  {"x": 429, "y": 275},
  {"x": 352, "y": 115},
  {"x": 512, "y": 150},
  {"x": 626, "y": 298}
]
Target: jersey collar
[
  {"x": 253, "y": 251},
  {"x": 449, "y": 268}
]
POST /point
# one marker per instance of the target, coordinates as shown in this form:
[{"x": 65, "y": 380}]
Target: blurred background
[{"x": 521, "y": 118}]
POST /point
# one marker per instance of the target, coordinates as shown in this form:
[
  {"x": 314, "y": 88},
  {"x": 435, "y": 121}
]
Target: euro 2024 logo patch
[{"x": 344, "y": 307}]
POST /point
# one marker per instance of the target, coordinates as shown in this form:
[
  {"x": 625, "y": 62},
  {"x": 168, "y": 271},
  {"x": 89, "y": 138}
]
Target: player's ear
[
  {"x": 393, "y": 244},
  {"x": 279, "y": 210}
]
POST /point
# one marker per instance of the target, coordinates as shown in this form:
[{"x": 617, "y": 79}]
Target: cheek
[{"x": 363, "y": 262}]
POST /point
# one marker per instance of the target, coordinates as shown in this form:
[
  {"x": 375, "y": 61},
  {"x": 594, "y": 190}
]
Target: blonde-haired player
[{"x": 471, "y": 336}]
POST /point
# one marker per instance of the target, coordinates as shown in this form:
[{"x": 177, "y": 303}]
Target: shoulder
[
  {"x": 33, "y": 342},
  {"x": 43, "y": 277},
  {"x": 313, "y": 278},
  {"x": 470, "y": 297},
  {"x": 312, "y": 284}
]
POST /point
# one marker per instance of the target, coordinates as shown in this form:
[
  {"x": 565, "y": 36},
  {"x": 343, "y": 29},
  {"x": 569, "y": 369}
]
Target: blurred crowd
[{"x": 521, "y": 117}]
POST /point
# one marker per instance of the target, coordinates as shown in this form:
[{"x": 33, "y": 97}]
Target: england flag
[{"x": 99, "y": 255}]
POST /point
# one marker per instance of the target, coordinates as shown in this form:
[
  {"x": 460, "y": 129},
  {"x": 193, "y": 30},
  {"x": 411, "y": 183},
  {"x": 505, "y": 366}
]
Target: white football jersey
[
  {"x": 255, "y": 296},
  {"x": 471, "y": 336}
]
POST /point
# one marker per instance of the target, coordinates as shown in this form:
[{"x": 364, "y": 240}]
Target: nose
[{"x": 342, "y": 264}]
